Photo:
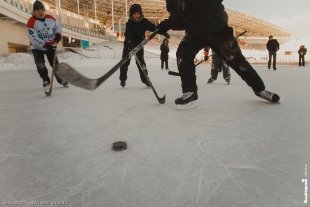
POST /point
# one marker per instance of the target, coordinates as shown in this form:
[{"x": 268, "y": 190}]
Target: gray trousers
[
  {"x": 273, "y": 56},
  {"x": 218, "y": 65}
]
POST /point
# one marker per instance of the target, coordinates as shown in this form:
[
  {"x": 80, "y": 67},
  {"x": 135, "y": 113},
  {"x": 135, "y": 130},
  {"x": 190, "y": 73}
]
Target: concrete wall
[{"x": 14, "y": 33}]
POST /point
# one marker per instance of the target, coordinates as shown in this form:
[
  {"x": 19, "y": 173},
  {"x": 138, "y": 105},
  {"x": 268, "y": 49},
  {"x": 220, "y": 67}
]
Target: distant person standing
[
  {"x": 302, "y": 52},
  {"x": 272, "y": 46},
  {"x": 44, "y": 33},
  {"x": 164, "y": 48},
  {"x": 218, "y": 65}
]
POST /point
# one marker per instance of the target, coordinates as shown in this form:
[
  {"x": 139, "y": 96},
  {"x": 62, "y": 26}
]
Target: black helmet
[
  {"x": 135, "y": 8},
  {"x": 38, "y": 5}
]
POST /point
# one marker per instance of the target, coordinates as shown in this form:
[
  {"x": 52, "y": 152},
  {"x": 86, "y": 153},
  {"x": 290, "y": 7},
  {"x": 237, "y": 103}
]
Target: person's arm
[
  {"x": 57, "y": 27},
  {"x": 129, "y": 35},
  {"x": 33, "y": 35},
  {"x": 278, "y": 45},
  {"x": 149, "y": 25},
  {"x": 57, "y": 32}
]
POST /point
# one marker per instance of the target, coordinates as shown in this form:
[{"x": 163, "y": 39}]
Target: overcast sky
[{"x": 293, "y": 15}]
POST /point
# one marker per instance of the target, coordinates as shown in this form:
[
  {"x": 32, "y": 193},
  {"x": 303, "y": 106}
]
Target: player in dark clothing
[
  {"x": 302, "y": 52},
  {"x": 272, "y": 47},
  {"x": 205, "y": 24},
  {"x": 134, "y": 34},
  {"x": 164, "y": 48},
  {"x": 218, "y": 65}
]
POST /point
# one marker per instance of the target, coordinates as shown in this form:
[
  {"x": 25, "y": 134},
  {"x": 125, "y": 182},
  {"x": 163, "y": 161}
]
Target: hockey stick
[
  {"x": 74, "y": 51},
  {"x": 69, "y": 74},
  {"x": 178, "y": 74},
  {"x": 161, "y": 100},
  {"x": 49, "y": 92}
]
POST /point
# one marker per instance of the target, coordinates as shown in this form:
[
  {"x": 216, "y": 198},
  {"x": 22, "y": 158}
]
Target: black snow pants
[
  {"x": 40, "y": 63},
  {"x": 225, "y": 44},
  {"x": 218, "y": 64},
  {"x": 124, "y": 67}
]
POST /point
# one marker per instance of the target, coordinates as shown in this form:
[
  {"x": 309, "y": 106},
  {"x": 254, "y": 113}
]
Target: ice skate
[
  {"x": 187, "y": 101},
  {"x": 123, "y": 83},
  {"x": 210, "y": 80},
  {"x": 269, "y": 96}
]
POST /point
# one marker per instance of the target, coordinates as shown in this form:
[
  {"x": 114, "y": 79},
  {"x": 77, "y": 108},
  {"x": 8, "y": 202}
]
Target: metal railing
[{"x": 27, "y": 8}]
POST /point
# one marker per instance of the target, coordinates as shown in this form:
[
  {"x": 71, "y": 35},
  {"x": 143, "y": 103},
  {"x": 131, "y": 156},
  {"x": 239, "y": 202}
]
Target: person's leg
[
  {"x": 162, "y": 64},
  {"x": 124, "y": 67},
  {"x": 226, "y": 71},
  {"x": 40, "y": 64},
  {"x": 274, "y": 56},
  {"x": 166, "y": 64},
  {"x": 303, "y": 60},
  {"x": 186, "y": 52},
  {"x": 215, "y": 66},
  {"x": 224, "y": 43},
  {"x": 140, "y": 56},
  {"x": 50, "y": 57},
  {"x": 299, "y": 60},
  {"x": 269, "y": 60}
]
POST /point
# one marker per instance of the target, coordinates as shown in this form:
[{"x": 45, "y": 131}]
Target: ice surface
[{"x": 233, "y": 150}]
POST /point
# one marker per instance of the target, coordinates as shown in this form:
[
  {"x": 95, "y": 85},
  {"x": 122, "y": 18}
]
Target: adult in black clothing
[
  {"x": 205, "y": 24},
  {"x": 136, "y": 26},
  {"x": 302, "y": 52},
  {"x": 272, "y": 47},
  {"x": 164, "y": 48}
]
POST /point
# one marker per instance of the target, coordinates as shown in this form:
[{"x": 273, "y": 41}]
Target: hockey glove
[{"x": 57, "y": 37}]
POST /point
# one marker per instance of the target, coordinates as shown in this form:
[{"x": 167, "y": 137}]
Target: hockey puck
[{"x": 119, "y": 146}]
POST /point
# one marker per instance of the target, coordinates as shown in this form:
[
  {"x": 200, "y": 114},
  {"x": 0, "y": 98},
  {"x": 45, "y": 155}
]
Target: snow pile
[{"x": 17, "y": 61}]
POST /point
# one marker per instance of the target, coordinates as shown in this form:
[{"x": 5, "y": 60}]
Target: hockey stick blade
[
  {"x": 69, "y": 74},
  {"x": 174, "y": 73}
]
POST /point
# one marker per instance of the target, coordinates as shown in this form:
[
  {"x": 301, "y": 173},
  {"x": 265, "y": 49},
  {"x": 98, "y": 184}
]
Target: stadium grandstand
[{"x": 86, "y": 23}]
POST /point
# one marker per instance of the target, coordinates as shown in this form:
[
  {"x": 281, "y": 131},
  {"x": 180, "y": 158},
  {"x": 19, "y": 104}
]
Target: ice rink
[{"x": 233, "y": 150}]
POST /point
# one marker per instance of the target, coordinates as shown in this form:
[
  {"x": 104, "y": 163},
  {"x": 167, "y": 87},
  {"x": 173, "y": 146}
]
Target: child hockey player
[
  {"x": 44, "y": 32},
  {"x": 134, "y": 34}
]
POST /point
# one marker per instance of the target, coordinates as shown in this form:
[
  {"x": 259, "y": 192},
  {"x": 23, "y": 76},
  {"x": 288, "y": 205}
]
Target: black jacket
[
  {"x": 135, "y": 31},
  {"x": 273, "y": 45},
  {"x": 164, "y": 52},
  {"x": 200, "y": 17},
  {"x": 302, "y": 51}
]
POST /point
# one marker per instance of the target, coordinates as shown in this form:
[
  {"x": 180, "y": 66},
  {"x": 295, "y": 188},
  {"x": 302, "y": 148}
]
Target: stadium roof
[{"x": 155, "y": 10}]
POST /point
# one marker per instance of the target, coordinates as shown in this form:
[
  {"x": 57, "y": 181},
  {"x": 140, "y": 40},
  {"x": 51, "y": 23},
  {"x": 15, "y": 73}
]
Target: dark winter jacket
[
  {"x": 273, "y": 45},
  {"x": 201, "y": 17},
  {"x": 302, "y": 51},
  {"x": 135, "y": 31},
  {"x": 164, "y": 52}
]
